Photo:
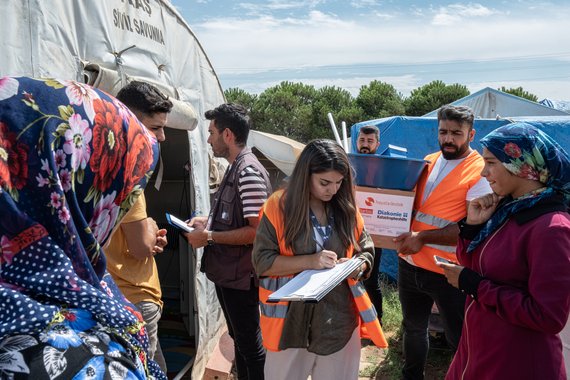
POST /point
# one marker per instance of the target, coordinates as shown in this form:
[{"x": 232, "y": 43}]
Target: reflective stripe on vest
[
  {"x": 432, "y": 220},
  {"x": 273, "y": 311},
  {"x": 444, "y": 248},
  {"x": 369, "y": 314},
  {"x": 437, "y": 222},
  {"x": 273, "y": 283}
]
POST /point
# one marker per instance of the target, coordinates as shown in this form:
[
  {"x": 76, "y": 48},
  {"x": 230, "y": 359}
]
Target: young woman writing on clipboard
[{"x": 310, "y": 225}]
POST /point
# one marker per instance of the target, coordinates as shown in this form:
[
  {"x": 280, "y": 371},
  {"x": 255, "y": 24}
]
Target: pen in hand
[{"x": 325, "y": 257}]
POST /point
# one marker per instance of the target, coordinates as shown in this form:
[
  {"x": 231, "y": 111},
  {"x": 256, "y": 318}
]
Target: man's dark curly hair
[
  {"x": 234, "y": 117},
  {"x": 144, "y": 98},
  {"x": 460, "y": 114}
]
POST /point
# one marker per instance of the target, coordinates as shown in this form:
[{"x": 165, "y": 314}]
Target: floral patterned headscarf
[
  {"x": 73, "y": 160},
  {"x": 529, "y": 153}
]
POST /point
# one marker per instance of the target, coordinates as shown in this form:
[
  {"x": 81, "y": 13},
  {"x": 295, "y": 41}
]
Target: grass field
[{"x": 387, "y": 364}]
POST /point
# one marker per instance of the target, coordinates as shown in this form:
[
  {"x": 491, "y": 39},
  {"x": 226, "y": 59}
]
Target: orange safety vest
[
  {"x": 445, "y": 205},
  {"x": 273, "y": 315}
]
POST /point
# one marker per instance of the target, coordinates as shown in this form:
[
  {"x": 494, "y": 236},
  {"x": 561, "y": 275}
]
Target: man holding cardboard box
[
  {"x": 368, "y": 142},
  {"x": 453, "y": 179}
]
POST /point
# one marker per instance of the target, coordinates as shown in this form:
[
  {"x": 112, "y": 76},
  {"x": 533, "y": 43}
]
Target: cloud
[
  {"x": 276, "y": 5},
  {"x": 314, "y": 38},
  {"x": 364, "y": 3},
  {"x": 385, "y": 16},
  {"x": 455, "y": 13},
  {"x": 324, "y": 39}
]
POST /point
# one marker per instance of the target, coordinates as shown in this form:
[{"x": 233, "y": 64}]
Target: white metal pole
[
  {"x": 333, "y": 126},
  {"x": 344, "y": 137}
]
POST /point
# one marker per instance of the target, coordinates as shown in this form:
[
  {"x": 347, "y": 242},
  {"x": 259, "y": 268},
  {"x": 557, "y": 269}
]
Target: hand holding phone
[
  {"x": 439, "y": 259},
  {"x": 178, "y": 223}
]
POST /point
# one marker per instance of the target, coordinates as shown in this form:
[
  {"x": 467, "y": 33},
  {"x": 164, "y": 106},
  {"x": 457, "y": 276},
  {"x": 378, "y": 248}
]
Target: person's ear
[
  {"x": 228, "y": 135},
  {"x": 471, "y": 135}
]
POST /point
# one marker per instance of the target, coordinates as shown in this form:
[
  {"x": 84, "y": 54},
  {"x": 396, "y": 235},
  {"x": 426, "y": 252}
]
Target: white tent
[
  {"x": 107, "y": 43},
  {"x": 561, "y": 105},
  {"x": 490, "y": 104},
  {"x": 280, "y": 150}
]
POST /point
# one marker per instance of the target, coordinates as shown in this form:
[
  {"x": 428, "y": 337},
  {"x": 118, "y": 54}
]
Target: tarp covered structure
[
  {"x": 491, "y": 103},
  {"x": 419, "y": 134},
  {"x": 108, "y": 43}
]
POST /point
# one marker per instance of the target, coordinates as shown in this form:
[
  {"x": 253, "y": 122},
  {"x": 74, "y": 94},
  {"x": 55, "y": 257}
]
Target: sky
[{"x": 255, "y": 44}]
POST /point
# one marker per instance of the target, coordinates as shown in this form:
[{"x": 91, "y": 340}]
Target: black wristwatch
[{"x": 210, "y": 238}]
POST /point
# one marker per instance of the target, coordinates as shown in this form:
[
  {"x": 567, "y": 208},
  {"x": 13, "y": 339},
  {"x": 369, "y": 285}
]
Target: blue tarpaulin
[{"x": 419, "y": 136}]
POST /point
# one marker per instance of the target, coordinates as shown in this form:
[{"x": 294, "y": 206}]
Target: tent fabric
[
  {"x": 419, "y": 134},
  {"x": 491, "y": 103},
  {"x": 561, "y": 105},
  {"x": 147, "y": 40},
  {"x": 280, "y": 150},
  {"x": 182, "y": 115}
]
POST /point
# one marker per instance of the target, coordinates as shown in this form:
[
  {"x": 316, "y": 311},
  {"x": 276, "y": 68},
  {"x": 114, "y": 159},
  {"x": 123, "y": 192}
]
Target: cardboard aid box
[{"x": 387, "y": 213}]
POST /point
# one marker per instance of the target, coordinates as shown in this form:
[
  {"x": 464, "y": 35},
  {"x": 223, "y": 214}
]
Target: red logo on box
[
  {"x": 366, "y": 211},
  {"x": 369, "y": 201}
]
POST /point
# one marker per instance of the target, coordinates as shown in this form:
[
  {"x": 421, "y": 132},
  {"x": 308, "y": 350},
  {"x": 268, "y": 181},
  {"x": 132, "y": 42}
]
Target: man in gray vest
[{"x": 228, "y": 233}]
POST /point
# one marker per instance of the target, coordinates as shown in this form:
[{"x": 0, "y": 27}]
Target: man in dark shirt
[
  {"x": 367, "y": 142},
  {"x": 228, "y": 233}
]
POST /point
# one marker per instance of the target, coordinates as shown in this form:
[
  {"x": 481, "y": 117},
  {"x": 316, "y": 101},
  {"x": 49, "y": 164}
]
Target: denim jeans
[
  {"x": 151, "y": 314},
  {"x": 241, "y": 310},
  {"x": 372, "y": 283},
  {"x": 419, "y": 289}
]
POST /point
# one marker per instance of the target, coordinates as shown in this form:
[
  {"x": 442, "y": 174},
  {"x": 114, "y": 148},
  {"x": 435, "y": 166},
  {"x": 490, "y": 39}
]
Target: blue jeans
[
  {"x": 419, "y": 289},
  {"x": 241, "y": 310}
]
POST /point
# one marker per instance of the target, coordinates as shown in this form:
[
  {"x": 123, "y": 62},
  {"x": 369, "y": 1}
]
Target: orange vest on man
[
  {"x": 445, "y": 205},
  {"x": 273, "y": 315}
]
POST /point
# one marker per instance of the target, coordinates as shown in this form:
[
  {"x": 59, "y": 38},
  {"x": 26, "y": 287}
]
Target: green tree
[
  {"x": 285, "y": 109},
  {"x": 520, "y": 92},
  {"x": 237, "y": 95},
  {"x": 340, "y": 103},
  {"x": 433, "y": 95},
  {"x": 379, "y": 99}
]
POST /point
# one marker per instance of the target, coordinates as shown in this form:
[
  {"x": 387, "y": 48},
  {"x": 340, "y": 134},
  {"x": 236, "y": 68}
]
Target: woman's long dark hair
[{"x": 319, "y": 156}]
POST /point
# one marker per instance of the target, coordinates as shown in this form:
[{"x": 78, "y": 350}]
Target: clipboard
[
  {"x": 178, "y": 223},
  {"x": 312, "y": 285}
]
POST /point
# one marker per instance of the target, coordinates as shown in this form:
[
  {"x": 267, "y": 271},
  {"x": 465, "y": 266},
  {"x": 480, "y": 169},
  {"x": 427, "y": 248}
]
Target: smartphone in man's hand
[{"x": 178, "y": 223}]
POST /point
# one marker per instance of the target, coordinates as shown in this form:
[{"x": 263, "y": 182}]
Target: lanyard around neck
[{"x": 324, "y": 231}]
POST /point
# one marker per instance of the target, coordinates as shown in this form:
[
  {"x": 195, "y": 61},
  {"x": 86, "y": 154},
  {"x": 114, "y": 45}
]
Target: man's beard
[
  {"x": 458, "y": 153},
  {"x": 223, "y": 151},
  {"x": 364, "y": 150}
]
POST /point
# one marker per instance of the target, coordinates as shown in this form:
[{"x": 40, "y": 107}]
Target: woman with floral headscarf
[
  {"x": 514, "y": 251},
  {"x": 72, "y": 162}
]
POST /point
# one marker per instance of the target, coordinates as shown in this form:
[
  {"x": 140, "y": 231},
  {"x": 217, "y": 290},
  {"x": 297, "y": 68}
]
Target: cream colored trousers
[{"x": 299, "y": 364}]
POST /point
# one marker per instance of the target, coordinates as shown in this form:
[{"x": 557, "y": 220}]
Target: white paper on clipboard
[{"x": 312, "y": 285}]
